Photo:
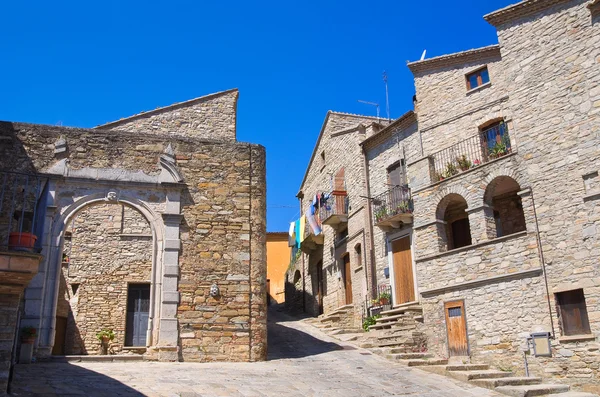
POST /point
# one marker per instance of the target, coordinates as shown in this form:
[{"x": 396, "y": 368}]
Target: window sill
[
  {"x": 576, "y": 338},
  {"x": 480, "y": 87}
]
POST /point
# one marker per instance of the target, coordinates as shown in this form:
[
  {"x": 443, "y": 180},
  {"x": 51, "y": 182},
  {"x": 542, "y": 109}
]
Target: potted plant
[
  {"x": 28, "y": 335},
  {"x": 463, "y": 163},
  {"x": 476, "y": 163},
  {"x": 451, "y": 170},
  {"x": 21, "y": 241},
  {"x": 384, "y": 298},
  {"x": 105, "y": 336}
]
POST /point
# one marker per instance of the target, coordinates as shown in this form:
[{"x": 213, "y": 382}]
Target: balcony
[
  {"x": 335, "y": 210},
  {"x": 20, "y": 211},
  {"x": 311, "y": 241},
  {"x": 393, "y": 208},
  {"x": 489, "y": 145}
]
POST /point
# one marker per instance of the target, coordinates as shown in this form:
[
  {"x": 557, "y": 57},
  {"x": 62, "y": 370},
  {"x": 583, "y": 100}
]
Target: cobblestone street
[{"x": 302, "y": 362}]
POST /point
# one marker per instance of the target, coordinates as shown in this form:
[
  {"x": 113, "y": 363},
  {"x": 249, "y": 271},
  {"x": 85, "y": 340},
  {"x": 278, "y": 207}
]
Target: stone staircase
[
  {"x": 339, "y": 321},
  {"x": 504, "y": 382}
]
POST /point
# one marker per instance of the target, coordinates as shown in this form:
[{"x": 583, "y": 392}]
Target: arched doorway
[
  {"x": 457, "y": 231},
  {"x": 501, "y": 196}
]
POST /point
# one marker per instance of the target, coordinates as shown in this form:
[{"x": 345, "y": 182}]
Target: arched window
[
  {"x": 456, "y": 232},
  {"x": 501, "y": 196}
]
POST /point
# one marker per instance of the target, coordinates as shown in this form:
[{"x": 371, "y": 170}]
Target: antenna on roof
[
  {"x": 423, "y": 54},
  {"x": 387, "y": 99},
  {"x": 372, "y": 104}
]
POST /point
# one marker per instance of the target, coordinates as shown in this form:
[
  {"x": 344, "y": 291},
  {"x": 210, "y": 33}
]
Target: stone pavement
[{"x": 302, "y": 362}]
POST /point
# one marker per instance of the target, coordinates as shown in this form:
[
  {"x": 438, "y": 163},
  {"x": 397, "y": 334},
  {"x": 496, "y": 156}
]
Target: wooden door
[
  {"x": 403, "y": 271},
  {"x": 320, "y": 287},
  {"x": 347, "y": 278},
  {"x": 138, "y": 310},
  {"x": 456, "y": 325}
]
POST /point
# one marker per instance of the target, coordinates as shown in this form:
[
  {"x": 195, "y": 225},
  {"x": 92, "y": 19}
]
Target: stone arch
[
  {"x": 505, "y": 209},
  {"x": 456, "y": 189},
  {"x": 454, "y": 230},
  {"x": 57, "y": 232}
]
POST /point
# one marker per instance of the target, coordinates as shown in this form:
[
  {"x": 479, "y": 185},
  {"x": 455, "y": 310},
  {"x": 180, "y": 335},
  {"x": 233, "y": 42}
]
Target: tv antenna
[
  {"x": 372, "y": 104},
  {"x": 387, "y": 99},
  {"x": 423, "y": 54}
]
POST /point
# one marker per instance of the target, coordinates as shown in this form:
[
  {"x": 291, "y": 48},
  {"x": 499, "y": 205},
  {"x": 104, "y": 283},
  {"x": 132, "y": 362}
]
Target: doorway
[
  {"x": 347, "y": 278},
  {"x": 456, "y": 325},
  {"x": 138, "y": 309},
  {"x": 404, "y": 288},
  {"x": 320, "y": 287}
]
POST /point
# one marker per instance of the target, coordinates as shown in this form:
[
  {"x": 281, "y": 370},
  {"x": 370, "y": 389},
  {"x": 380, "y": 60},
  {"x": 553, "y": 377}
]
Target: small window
[
  {"x": 396, "y": 176},
  {"x": 454, "y": 312},
  {"x": 323, "y": 157},
  {"x": 358, "y": 255},
  {"x": 572, "y": 312},
  {"x": 478, "y": 78}
]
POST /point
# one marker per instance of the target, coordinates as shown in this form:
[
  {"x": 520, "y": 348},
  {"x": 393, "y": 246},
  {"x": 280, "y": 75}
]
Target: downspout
[
  {"x": 303, "y": 267},
  {"x": 370, "y": 269},
  {"x": 541, "y": 255}
]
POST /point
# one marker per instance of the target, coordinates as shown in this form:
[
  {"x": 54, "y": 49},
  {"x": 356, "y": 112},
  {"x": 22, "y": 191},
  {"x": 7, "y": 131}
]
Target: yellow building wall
[{"x": 278, "y": 259}]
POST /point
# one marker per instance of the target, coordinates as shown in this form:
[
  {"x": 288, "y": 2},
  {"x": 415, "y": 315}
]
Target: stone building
[
  {"x": 493, "y": 226},
  {"x": 334, "y": 268},
  {"x": 152, "y": 226}
]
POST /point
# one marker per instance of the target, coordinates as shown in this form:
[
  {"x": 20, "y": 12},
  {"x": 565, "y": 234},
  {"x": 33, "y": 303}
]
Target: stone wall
[
  {"x": 209, "y": 117},
  {"x": 222, "y": 230},
  {"x": 552, "y": 69},
  {"x": 104, "y": 257}
]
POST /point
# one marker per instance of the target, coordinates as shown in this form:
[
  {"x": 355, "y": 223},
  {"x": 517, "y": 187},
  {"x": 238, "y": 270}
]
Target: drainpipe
[
  {"x": 541, "y": 256},
  {"x": 370, "y": 269},
  {"x": 300, "y": 197}
]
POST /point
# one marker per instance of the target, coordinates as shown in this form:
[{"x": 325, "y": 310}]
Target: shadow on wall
[{"x": 65, "y": 379}]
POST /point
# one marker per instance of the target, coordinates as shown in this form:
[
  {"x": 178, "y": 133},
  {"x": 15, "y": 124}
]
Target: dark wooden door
[
  {"x": 461, "y": 233},
  {"x": 347, "y": 279},
  {"x": 138, "y": 309},
  {"x": 320, "y": 287},
  {"x": 403, "y": 272},
  {"x": 456, "y": 325}
]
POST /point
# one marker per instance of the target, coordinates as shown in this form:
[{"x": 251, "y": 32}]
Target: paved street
[{"x": 302, "y": 362}]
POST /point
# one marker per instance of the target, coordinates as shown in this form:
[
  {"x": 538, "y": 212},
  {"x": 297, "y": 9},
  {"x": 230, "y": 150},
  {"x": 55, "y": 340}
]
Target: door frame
[
  {"x": 464, "y": 307},
  {"x": 345, "y": 276},
  {"x": 389, "y": 238}
]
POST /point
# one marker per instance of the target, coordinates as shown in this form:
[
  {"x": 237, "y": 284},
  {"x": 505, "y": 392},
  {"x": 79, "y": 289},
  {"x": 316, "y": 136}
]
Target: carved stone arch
[
  {"x": 488, "y": 120},
  {"x": 442, "y": 199},
  {"x": 492, "y": 177}
]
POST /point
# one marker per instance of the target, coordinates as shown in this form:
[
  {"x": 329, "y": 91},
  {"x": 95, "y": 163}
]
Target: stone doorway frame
[{"x": 123, "y": 187}]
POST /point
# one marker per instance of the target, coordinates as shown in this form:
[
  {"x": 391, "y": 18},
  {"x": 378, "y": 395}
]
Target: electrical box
[{"x": 541, "y": 344}]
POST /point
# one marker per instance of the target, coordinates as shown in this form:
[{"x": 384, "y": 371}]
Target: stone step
[
  {"x": 466, "y": 376},
  {"x": 423, "y": 362},
  {"x": 575, "y": 394},
  {"x": 397, "y": 350},
  {"x": 402, "y": 309},
  {"x": 339, "y": 331},
  {"x": 467, "y": 367},
  {"x": 380, "y": 326},
  {"x": 105, "y": 358},
  {"x": 532, "y": 390},
  {"x": 330, "y": 319},
  {"x": 491, "y": 383},
  {"x": 400, "y": 344},
  {"x": 397, "y": 327},
  {"x": 407, "y": 356},
  {"x": 394, "y": 318}
]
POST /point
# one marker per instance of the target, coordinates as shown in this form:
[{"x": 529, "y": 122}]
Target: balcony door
[
  {"x": 404, "y": 288},
  {"x": 347, "y": 278}
]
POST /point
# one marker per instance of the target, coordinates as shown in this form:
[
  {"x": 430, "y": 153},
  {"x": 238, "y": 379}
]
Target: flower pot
[
  {"x": 28, "y": 340},
  {"x": 21, "y": 241}
]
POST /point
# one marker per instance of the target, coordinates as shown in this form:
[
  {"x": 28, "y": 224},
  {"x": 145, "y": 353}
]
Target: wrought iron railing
[
  {"x": 20, "y": 217},
  {"x": 488, "y": 145},
  {"x": 395, "y": 201},
  {"x": 381, "y": 302},
  {"x": 337, "y": 204}
]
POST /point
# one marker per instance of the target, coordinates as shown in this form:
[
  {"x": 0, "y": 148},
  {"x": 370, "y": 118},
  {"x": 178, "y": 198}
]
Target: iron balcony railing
[
  {"x": 395, "y": 201},
  {"x": 20, "y": 211},
  {"x": 381, "y": 302},
  {"x": 336, "y": 204},
  {"x": 488, "y": 145}
]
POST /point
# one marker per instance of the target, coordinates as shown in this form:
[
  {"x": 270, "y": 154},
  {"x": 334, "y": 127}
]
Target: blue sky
[{"x": 87, "y": 63}]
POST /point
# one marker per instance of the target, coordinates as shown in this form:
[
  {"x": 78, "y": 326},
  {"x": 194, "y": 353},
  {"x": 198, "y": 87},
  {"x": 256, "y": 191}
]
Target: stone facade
[
  {"x": 209, "y": 117},
  {"x": 531, "y": 211},
  {"x": 179, "y": 212},
  {"x": 337, "y": 151}
]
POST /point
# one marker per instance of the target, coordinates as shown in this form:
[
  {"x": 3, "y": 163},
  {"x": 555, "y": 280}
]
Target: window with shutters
[
  {"x": 396, "y": 174},
  {"x": 572, "y": 312}
]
